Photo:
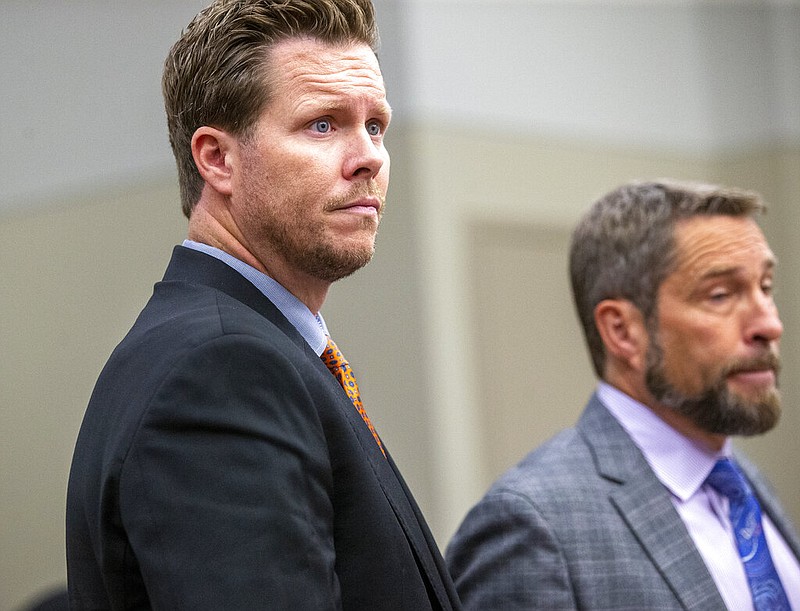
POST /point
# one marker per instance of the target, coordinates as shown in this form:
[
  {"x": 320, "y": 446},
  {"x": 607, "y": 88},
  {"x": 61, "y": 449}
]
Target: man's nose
[
  {"x": 764, "y": 323},
  {"x": 365, "y": 155}
]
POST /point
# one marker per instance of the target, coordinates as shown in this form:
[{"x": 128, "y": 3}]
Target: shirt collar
[
  {"x": 311, "y": 326},
  {"x": 679, "y": 463}
]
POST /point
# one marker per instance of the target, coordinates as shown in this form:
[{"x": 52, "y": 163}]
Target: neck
[
  {"x": 711, "y": 441},
  {"x": 682, "y": 424},
  {"x": 220, "y": 231}
]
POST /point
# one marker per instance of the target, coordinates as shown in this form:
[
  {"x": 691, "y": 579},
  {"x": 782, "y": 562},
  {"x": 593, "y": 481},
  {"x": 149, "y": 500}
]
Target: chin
[
  {"x": 748, "y": 416},
  {"x": 332, "y": 266}
]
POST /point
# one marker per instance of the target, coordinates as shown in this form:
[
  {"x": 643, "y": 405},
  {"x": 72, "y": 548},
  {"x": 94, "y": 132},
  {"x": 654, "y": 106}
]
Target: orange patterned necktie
[{"x": 340, "y": 368}]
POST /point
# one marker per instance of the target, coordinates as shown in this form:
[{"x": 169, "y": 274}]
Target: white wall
[
  {"x": 81, "y": 80},
  {"x": 681, "y": 76},
  {"x": 80, "y": 94}
]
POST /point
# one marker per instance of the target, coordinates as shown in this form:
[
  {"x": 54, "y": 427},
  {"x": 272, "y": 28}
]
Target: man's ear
[
  {"x": 623, "y": 331},
  {"x": 214, "y": 152}
]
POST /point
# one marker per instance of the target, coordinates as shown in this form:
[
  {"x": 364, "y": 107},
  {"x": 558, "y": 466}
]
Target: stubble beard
[
  {"x": 326, "y": 262},
  {"x": 717, "y": 409},
  {"x": 307, "y": 247}
]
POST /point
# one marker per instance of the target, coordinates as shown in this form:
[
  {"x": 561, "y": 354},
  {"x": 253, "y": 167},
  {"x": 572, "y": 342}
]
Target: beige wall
[
  {"x": 469, "y": 281},
  {"x": 74, "y": 276},
  {"x": 495, "y": 213}
]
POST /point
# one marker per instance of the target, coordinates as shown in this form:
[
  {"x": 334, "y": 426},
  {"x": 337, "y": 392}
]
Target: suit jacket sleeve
[
  {"x": 505, "y": 556},
  {"x": 225, "y": 493}
]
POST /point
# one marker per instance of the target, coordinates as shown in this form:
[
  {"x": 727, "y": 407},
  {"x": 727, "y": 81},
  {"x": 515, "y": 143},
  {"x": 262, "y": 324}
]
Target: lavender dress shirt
[{"x": 682, "y": 466}]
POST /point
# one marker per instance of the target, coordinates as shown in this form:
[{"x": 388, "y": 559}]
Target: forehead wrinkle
[
  {"x": 336, "y": 81},
  {"x": 305, "y": 66},
  {"x": 320, "y": 96},
  {"x": 325, "y": 62},
  {"x": 718, "y": 257},
  {"x": 700, "y": 243},
  {"x": 725, "y": 270},
  {"x": 722, "y": 271},
  {"x": 323, "y": 73},
  {"x": 338, "y": 90},
  {"x": 339, "y": 105}
]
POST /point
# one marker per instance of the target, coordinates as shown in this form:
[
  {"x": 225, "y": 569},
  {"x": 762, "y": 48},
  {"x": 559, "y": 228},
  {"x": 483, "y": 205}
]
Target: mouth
[
  {"x": 369, "y": 206},
  {"x": 365, "y": 204},
  {"x": 760, "y": 372},
  {"x": 754, "y": 377}
]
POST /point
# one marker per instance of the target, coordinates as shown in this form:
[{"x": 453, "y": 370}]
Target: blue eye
[
  {"x": 374, "y": 128},
  {"x": 323, "y": 126}
]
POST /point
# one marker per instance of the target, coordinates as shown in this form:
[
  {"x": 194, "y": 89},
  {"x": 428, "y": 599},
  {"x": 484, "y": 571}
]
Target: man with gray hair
[
  {"x": 226, "y": 460},
  {"x": 644, "y": 504}
]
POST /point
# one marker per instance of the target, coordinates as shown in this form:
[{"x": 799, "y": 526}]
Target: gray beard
[{"x": 716, "y": 409}]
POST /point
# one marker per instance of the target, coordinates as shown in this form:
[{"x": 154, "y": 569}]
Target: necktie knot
[
  {"x": 341, "y": 370},
  {"x": 728, "y": 480},
  {"x": 334, "y": 360}
]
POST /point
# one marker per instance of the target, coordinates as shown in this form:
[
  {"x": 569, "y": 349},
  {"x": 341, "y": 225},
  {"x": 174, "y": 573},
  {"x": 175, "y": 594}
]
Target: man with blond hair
[{"x": 226, "y": 460}]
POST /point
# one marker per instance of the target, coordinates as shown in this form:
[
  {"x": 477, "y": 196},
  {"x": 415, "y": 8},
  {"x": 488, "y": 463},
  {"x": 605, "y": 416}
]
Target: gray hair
[{"x": 623, "y": 247}]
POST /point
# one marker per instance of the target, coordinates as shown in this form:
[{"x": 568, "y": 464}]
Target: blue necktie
[{"x": 745, "y": 514}]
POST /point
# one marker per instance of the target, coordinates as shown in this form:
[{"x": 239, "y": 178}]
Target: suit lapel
[
  {"x": 647, "y": 510},
  {"x": 196, "y": 267},
  {"x": 646, "y": 507},
  {"x": 419, "y": 536},
  {"x": 395, "y": 490},
  {"x": 401, "y": 501}
]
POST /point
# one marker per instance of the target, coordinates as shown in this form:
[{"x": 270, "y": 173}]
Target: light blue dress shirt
[{"x": 311, "y": 326}]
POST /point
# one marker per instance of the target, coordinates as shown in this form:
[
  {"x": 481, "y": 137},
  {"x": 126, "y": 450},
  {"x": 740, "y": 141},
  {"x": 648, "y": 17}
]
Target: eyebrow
[
  {"x": 769, "y": 264},
  {"x": 382, "y": 108}
]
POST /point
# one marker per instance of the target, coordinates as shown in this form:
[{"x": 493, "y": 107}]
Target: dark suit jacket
[
  {"x": 584, "y": 523},
  {"x": 221, "y": 466}
]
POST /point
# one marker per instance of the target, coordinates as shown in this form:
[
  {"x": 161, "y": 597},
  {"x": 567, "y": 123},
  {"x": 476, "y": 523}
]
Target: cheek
[
  {"x": 690, "y": 354},
  {"x": 385, "y": 168},
  {"x": 303, "y": 183},
  {"x": 383, "y": 183},
  {"x": 701, "y": 366}
]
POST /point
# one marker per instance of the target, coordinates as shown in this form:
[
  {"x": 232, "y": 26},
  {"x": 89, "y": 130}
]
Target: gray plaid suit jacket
[{"x": 583, "y": 523}]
